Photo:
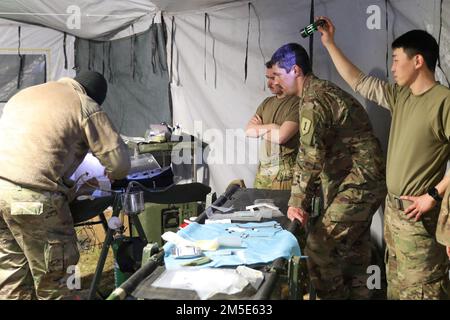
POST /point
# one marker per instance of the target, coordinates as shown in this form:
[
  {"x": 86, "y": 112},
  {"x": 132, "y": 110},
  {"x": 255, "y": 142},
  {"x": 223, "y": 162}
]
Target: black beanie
[{"x": 94, "y": 84}]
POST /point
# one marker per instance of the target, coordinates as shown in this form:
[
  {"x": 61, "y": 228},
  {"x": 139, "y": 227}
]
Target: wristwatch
[{"x": 433, "y": 192}]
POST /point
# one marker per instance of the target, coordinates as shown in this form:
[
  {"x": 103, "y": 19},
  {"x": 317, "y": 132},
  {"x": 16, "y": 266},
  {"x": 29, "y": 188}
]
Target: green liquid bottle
[{"x": 311, "y": 28}]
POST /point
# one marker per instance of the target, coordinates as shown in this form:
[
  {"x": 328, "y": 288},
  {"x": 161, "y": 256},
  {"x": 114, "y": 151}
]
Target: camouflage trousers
[
  {"x": 416, "y": 264},
  {"x": 37, "y": 243},
  {"x": 275, "y": 175},
  {"x": 339, "y": 254}
]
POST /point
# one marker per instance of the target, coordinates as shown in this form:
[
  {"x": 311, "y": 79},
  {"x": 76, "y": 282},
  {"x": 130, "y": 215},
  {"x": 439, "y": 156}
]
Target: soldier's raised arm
[
  {"x": 372, "y": 88},
  {"x": 348, "y": 71}
]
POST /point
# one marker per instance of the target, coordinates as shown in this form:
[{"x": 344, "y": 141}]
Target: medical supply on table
[
  {"x": 262, "y": 209},
  {"x": 223, "y": 209},
  {"x": 186, "y": 252},
  {"x": 258, "y": 243},
  {"x": 208, "y": 245},
  {"x": 206, "y": 281},
  {"x": 197, "y": 262},
  {"x": 254, "y": 277}
]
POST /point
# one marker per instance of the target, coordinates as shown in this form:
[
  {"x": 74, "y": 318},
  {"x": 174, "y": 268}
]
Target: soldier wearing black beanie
[
  {"x": 95, "y": 85},
  {"x": 46, "y": 132}
]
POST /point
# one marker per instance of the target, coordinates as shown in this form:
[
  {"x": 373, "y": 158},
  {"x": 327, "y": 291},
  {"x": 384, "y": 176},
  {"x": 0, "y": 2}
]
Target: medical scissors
[
  {"x": 276, "y": 226},
  {"x": 245, "y": 235}
]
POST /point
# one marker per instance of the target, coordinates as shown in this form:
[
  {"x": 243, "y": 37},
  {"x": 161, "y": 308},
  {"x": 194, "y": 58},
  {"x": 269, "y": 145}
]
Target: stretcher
[{"x": 139, "y": 285}]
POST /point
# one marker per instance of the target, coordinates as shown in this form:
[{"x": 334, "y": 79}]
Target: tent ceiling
[
  {"x": 188, "y": 5},
  {"x": 97, "y": 20},
  {"x": 100, "y": 19}
]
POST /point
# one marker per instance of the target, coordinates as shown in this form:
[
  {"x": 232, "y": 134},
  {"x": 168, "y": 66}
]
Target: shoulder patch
[{"x": 305, "y": 125}]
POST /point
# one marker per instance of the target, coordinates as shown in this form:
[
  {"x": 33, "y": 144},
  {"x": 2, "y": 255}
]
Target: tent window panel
[
  {"x": 34, "y": 71},
  {"x": 136, "y": 71}
]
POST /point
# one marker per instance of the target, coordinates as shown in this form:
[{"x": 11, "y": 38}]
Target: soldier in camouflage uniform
[
  {"x": 47, "y": 130},
  {"x": 276, "y": 120},
  {"x": 338, "y": 150},
  {"x": 419, "y": 148}
]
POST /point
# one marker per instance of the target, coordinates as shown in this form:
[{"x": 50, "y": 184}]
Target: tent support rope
[
  {"x": 21, "y": 59},
  {"x": 248, "y": 38}
]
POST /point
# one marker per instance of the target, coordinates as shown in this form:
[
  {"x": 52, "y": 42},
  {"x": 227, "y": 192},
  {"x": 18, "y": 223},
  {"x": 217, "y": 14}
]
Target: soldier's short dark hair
[
  {"x": 269, "y": 64},
  {"x": 419, "y": 42},
  {"x": 292, "y": 54}
]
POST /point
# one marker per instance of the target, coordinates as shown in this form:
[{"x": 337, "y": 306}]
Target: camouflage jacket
[{"x": 338, "y": 148}]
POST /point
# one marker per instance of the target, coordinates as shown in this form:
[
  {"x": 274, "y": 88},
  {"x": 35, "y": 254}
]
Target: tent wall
[
  {"x": 209, "y": 92},
  {"x": 39, "y": 40},
  {"x": 136, "y": 71}
]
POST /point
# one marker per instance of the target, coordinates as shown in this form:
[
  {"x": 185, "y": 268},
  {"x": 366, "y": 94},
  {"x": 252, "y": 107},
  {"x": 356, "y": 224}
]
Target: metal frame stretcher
[{"x": 139, "y": 285}]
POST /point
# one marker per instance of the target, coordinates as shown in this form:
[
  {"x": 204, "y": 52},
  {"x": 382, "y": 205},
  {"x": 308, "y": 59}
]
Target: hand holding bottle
[{"x": 327, "y": 30}]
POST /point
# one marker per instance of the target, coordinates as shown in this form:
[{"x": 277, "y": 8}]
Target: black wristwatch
[{"x": 433, "y": 192}]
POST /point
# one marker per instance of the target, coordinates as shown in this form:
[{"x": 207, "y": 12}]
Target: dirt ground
[{"x": 90, "y": 248}]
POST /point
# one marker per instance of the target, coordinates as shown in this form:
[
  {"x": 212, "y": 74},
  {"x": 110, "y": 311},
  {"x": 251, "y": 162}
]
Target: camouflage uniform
[
  {"x": 338, "y": 150},
  {"x": 410, "y": 259},
  {"x": 275, "y": 173},
  {"x": 416, "y": 264},
  {"x": 443, "y": 225},
  {"x": 37, "y": 243},
  {"x": 276, "y": 162},
  {"x": 47, "y": 130}
]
